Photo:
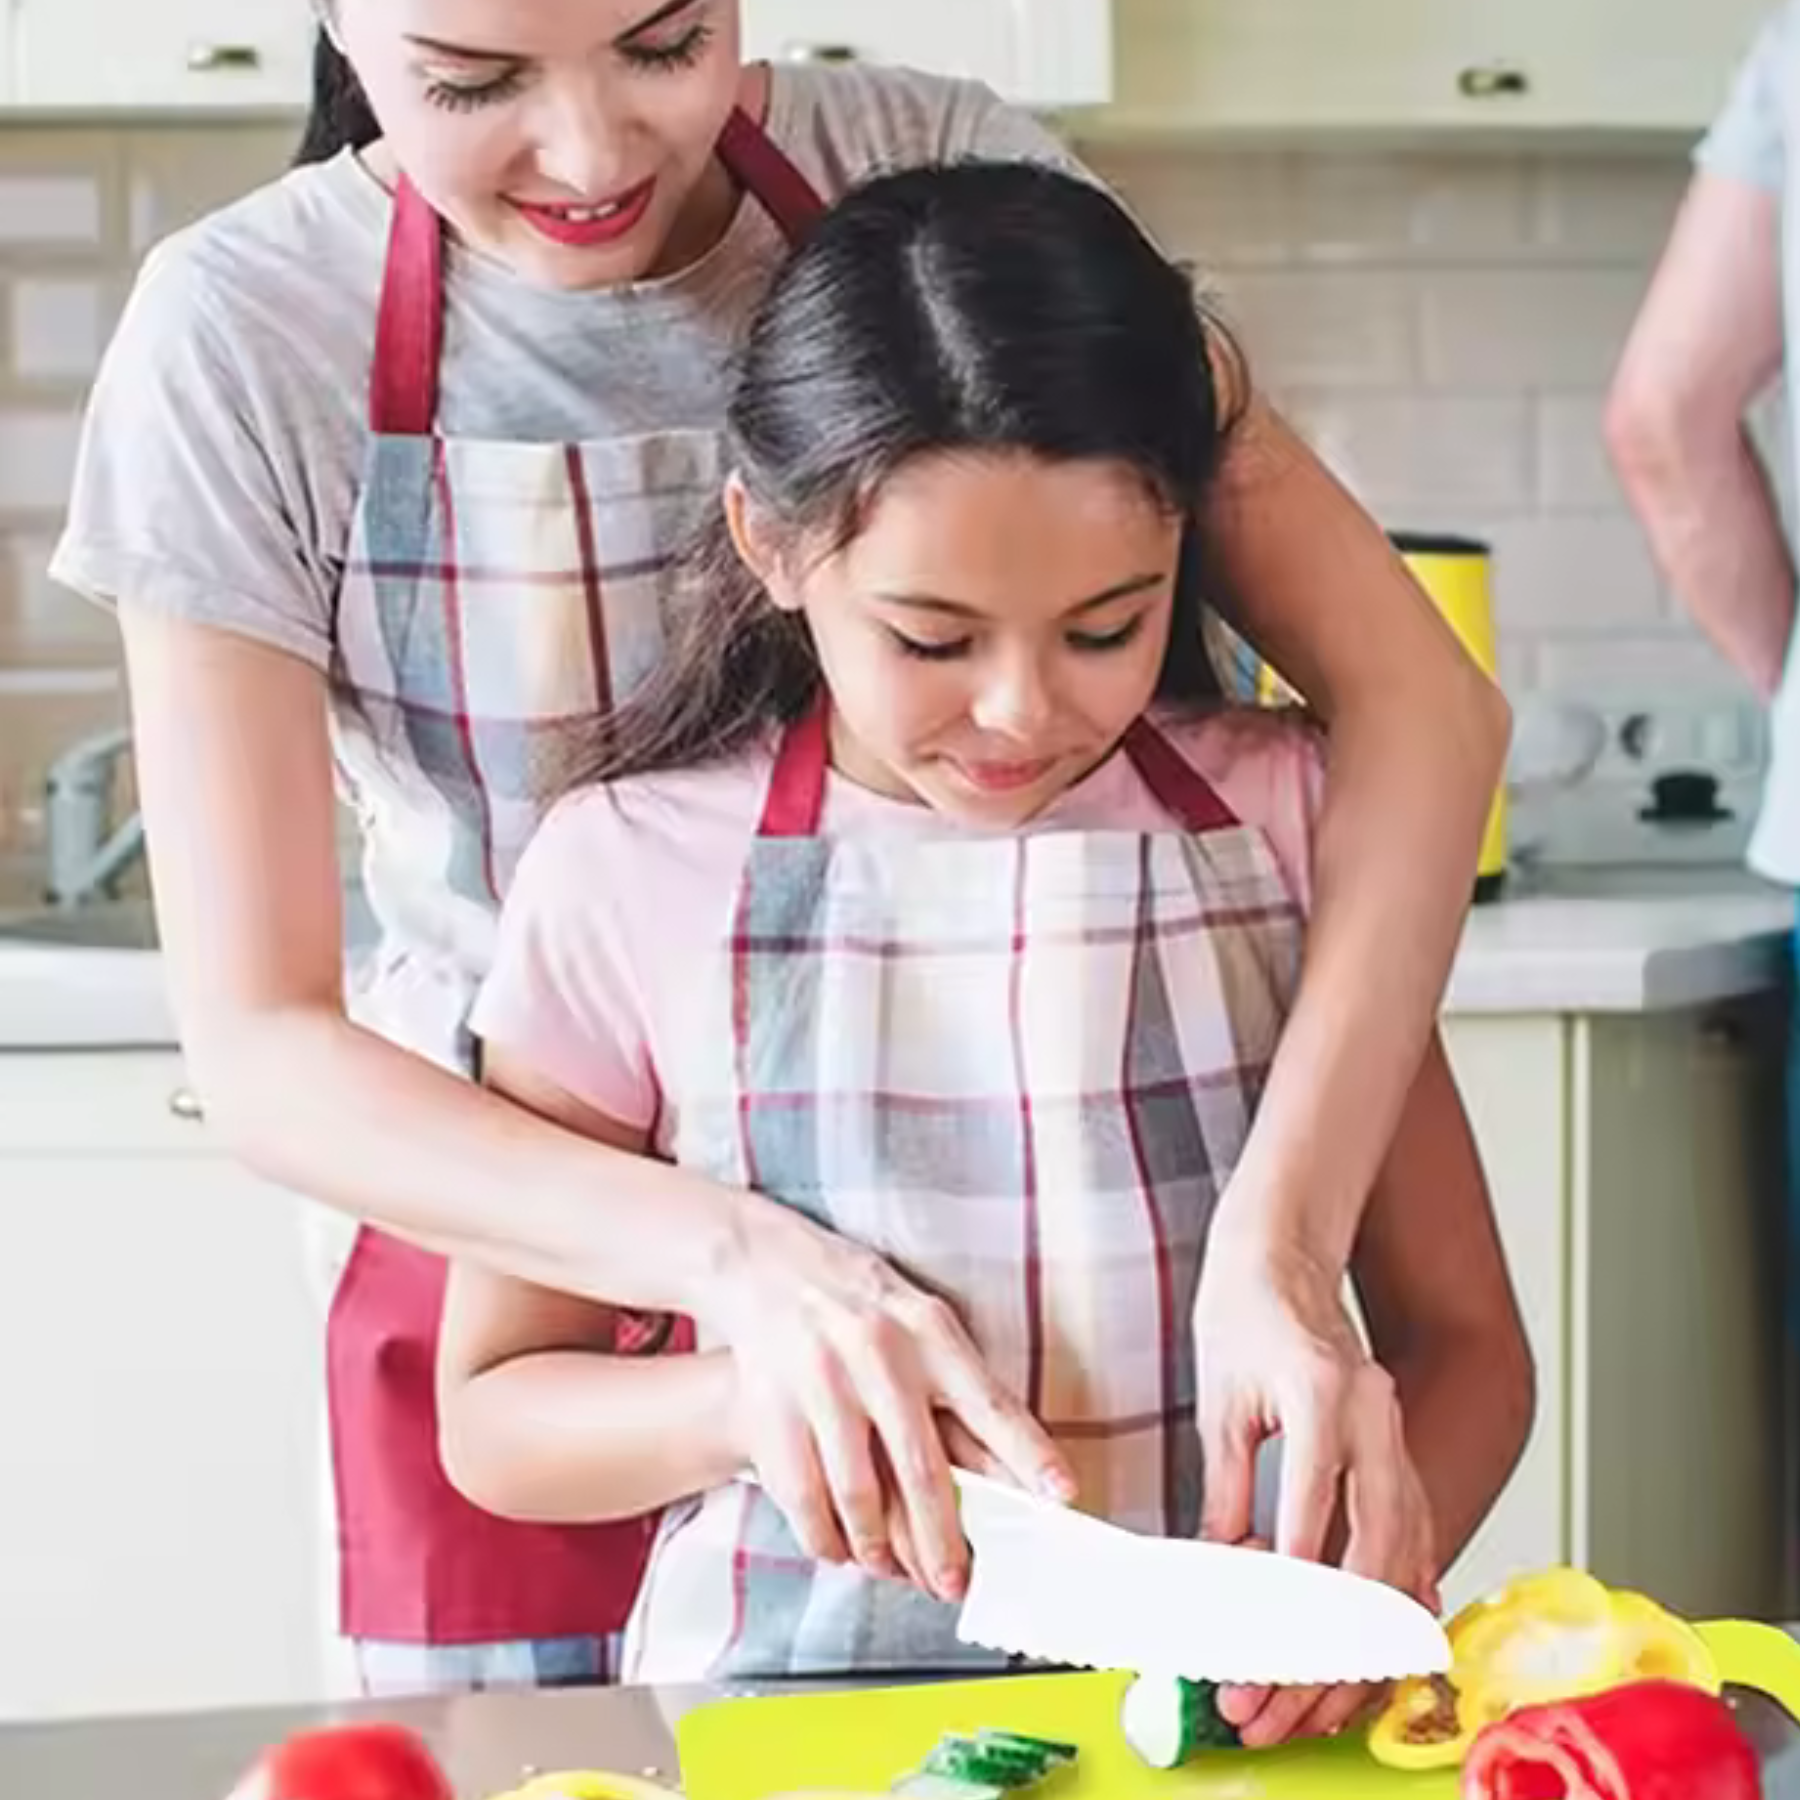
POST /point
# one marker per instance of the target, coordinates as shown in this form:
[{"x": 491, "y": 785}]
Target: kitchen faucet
[{"x": 86, "y": 854}]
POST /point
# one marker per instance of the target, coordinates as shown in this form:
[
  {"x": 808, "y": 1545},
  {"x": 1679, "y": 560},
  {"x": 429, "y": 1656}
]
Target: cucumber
[{"x": 1166, "y": 1719}]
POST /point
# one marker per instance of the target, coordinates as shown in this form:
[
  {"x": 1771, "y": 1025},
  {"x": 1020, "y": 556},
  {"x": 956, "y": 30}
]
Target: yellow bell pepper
[
  {"x": 589, "y": 1784},
  {"x": 1555, "y": 1635}
]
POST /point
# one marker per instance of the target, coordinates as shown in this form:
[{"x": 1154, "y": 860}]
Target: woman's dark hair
[
  {"x": 339, "y": 117},
  {"x": 975, "y": 307}
]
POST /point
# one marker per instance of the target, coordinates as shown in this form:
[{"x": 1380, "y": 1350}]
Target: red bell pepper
[
  {"x": 1648, "y": 1740},
  {"x": 347, "y": 1762}
]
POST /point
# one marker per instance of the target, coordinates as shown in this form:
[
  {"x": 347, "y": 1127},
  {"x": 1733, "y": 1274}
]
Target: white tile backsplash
[
  {"x": 1441, "y": 326},
  {"x": 45, "y": 210},
  {"x": 37, "y": 457},
  {"x": 58, "y": 329}
]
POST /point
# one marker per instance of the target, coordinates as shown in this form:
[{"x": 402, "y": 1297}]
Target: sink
[{"x": 111, "y": 925}]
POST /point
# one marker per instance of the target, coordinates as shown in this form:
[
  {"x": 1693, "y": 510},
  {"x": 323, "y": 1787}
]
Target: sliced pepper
[
  {"x": 1554, "y": 1635},
  {"x": 1646, "y": 1740}
]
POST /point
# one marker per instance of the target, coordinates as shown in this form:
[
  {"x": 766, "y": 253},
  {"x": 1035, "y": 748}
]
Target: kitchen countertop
[
  {"x": 486, "y": 1743},
  {"x": 1566, "y": 940}
]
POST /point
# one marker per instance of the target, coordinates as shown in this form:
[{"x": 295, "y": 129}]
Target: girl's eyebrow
[
  {"x": 468, "y": 53},
  {"x": 956, "y": 609}
]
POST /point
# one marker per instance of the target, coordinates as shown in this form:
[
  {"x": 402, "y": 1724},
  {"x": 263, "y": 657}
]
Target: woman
[{"x": 389, "y": 458}]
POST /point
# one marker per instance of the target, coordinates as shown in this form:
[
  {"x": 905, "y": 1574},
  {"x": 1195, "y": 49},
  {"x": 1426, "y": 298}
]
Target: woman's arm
[
  {"x": 233, "y": 770},
  {"x": 1416, "y": 742},
  {"x": 1444, "y": 1324}
]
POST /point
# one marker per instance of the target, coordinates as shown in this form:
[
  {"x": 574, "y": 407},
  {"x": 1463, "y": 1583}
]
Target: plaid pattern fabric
[
  {"x": 496, "y": 600},
  {"x": 1021, "y": 1068},
  {"x": 388, "y": 1671}
]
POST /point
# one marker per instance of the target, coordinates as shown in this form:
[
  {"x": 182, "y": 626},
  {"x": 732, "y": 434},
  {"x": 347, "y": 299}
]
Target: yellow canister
[{"x": 1456, "y": 573}]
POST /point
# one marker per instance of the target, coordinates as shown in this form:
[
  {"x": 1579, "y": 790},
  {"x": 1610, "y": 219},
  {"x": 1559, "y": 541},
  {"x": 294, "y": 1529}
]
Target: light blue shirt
[{"x": 1754, "y": 140}]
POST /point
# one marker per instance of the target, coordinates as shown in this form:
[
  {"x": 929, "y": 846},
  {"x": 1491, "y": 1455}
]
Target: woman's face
[
  {"x": 572, "y": 139},
  {"x": 992, "y": 630}
]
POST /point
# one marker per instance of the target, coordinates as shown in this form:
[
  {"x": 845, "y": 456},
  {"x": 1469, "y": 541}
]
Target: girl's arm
[
  {"x": 538, "y": 1417},
  {"x": 234, "y": 773},
  {"x": 1416, "y": 741}
]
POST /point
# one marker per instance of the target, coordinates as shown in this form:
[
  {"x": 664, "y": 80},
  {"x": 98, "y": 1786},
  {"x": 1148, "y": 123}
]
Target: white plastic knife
[{"x": 1058, "y": 1585}]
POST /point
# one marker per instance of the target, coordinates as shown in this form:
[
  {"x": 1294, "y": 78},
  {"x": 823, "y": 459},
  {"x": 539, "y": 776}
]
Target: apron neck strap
[
  {"x": 796, "y": 797},
  {"x": 1174, "y": 783},
  {"x": 795, "y": 801},
  {"x": 759, "y": 165},
  {"x": 409, "y": 328}
]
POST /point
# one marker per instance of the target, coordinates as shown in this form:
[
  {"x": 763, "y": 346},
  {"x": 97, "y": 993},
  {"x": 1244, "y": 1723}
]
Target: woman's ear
[{"x": 753, "y": 537}]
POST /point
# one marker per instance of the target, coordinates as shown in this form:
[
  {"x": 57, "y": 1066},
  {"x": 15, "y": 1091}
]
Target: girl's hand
[
  {"x": 1279, "y": 1356},
  {"x": 847, "y": 1377}
]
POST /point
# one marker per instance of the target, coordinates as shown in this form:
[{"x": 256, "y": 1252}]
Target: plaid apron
[
  {"x": 497, "y": 597},
  {"x": 1021, "y": 1067}
]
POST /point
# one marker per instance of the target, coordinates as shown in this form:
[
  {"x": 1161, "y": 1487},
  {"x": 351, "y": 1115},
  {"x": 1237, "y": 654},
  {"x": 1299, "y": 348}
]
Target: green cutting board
[{"x": 749, "y": 1749}]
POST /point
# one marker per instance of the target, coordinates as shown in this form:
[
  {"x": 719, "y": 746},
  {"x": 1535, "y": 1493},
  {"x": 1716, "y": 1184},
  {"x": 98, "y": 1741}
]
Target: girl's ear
[{"x": 754, "y": 539}]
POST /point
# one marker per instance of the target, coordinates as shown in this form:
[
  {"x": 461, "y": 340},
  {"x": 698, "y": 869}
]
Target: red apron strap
[
  {"x": 403, "y": 381},
  {"x": 764, "y": 170},
  {"x": 796, "y": 797},
  {"x": 1176, "y": 785}
]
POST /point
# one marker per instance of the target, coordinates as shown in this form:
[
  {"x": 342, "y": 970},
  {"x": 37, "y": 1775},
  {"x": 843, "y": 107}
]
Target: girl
[
  {"x": 964, "y": 921},
  {"x": 385, "y": 469}
]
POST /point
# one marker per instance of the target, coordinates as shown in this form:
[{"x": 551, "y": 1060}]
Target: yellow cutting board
[{"x": 749, "y": 1749}]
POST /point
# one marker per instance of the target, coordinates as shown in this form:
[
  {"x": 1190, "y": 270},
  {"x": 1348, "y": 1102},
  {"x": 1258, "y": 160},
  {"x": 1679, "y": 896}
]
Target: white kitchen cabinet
[
  {"x": 161, "y": 1358},
  {"x": 1199, "y": 66},
  {"x": 1036, "y": 53},
  {"x": 1633, "y": 1159},
  {"x": 191, "y": 55}
]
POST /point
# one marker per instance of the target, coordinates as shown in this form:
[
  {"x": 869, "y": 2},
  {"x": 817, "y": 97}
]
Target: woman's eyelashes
[
  {"x": 681, "y": 52},
  {"x": 949, "y": 649}
]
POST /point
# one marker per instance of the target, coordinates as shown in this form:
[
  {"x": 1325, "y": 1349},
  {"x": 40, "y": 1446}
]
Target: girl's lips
[
  {"x": 1005, "y": 777},
  {"x": 587, "y": 227}
]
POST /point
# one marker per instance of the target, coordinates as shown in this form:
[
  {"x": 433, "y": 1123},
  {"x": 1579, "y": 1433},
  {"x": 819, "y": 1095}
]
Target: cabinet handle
[
  {"x": 208, "y": 59},
  {"x": 184, "y": 1103},
  {"x": 823, "y": 53},
  {"x": 1495, "y": 81}
]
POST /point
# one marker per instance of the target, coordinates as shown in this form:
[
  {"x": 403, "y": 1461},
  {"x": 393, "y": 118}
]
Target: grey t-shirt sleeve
[
  {"x": 182, "y": 500},
  {"x": 1748, "y": 140}
]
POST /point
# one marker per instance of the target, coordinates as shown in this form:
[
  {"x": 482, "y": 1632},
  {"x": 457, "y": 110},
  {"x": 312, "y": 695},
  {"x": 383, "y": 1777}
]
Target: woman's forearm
[
  {"x": 1467, "y": 1405},
  {"x": 1417, "y": 741},
  {"x": 575, "y": 1437},
  {"x": 317, "y": 1104}
]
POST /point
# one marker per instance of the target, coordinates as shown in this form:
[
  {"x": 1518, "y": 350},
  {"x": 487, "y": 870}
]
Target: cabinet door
[
  {"x": 161, "y": 1466},
  {"x": 1650, "y": 65},
  {"x": 1049, "y": 53},
  {"x": 1511, "y": 1074},
  {"x": 189, "y": 54},
  {"x": 1679, "y": 1423},
  {"x": 1221, "y": 64},
  {"x": 1285, "y": 65}
]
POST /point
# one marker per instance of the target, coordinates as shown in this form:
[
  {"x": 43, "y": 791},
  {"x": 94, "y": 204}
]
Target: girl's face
[
  {"x": 572, "y": 139},
  {"x": 992, "y": 630}
]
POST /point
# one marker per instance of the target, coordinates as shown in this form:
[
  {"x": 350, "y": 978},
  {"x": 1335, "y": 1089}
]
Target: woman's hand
[
  {"x": 849, "y": 1381},
  {"x": 1279, "y": 1356}
]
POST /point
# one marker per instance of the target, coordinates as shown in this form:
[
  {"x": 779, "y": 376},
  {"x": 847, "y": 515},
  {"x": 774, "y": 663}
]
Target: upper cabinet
[
  {"x": 1037, "y": 53},
  {"x": 1327, "y": 65},
  {"x": 199, "y": 55}
]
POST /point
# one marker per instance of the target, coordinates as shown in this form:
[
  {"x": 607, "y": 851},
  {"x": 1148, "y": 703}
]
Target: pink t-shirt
[{"x": 621, "y": 902}]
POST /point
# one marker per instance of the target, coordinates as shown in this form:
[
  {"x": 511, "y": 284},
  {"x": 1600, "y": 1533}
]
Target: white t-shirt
[{"x": 1754, "y": 140}]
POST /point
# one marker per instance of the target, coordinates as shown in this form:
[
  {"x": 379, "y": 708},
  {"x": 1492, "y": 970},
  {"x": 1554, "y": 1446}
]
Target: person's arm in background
[
  {"x": 1706, "y": 343},
  {"x": 1444, "y": 1324},
  {"x": 1416, "y": 741}
]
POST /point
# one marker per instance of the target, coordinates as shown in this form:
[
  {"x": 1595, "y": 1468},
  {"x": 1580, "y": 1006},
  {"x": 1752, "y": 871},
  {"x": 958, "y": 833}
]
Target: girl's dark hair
[
  {"x": 975, "y": 307},
  {"x": 339, "y": 117}
]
